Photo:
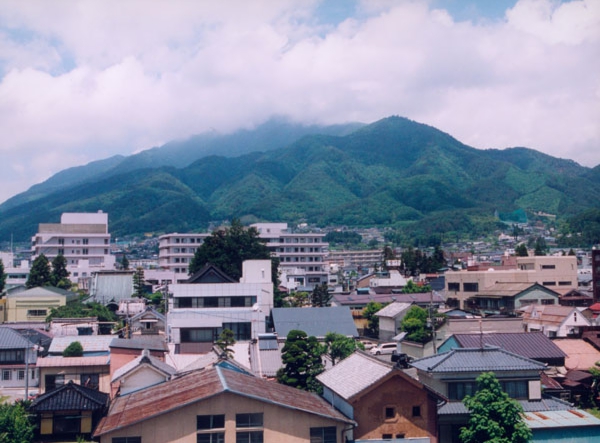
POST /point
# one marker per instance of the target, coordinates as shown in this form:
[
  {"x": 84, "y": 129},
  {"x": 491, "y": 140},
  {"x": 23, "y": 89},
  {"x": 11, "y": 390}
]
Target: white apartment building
[
  {"x": 558, "y": 273},
  {"x": 211, "y": 301},
  {"x": 175, "y": 251},
  {"x": 82, "y": 238},
  {"x": 301, "y": 254},
  {"x": 15, "y": 275}
]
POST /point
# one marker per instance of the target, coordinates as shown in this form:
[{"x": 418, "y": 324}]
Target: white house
[
  {"x": 211, "y": 301},
  {"x": 556, "y": 321},
  {"x": 390, "y": 318}
]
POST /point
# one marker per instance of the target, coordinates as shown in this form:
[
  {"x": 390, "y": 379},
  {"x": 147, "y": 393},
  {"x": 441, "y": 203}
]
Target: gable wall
[{"x": 280, "y": 424}]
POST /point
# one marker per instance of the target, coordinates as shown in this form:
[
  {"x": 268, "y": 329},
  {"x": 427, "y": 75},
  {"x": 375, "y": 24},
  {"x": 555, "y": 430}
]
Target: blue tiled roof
[
  {"x": 476, "y": 360},
  {"x": 314, "y": 321},
  {"x": 544, "y": 405}
]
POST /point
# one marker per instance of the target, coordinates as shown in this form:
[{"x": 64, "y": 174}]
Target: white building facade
[
  {"x": 301, "y": 254},
  {"x": 175, "y": 251},
  {"x": 82, "y": 238},
  {"x": 199, "y": 311}
]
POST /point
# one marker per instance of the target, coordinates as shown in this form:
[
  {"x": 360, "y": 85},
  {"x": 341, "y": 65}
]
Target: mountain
[{"x": 394, "y": 172}]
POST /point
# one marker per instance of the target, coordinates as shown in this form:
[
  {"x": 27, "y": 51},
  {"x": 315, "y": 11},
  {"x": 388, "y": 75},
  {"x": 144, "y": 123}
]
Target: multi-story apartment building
[
  {"x": 556, "y": 273},
  {"x": 355, "y": 259},
  {"x": 82, "y": 238},
  {"x": 301, "y": 254},
  {"x": 596, "y": 274},
  {"x": 175, "y": 251}
]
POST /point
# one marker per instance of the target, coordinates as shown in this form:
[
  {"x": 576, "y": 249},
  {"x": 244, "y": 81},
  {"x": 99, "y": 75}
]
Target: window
[
  {"x": 564, "y": 283},
  {"x": 249, "y": 420},
  {"x": 184, "y": 302},
  {"x": 549, "y": 283},
  {"x": 86, "y": 241},
  {"x": 12, "y": 356},
  {"x": 323, "y": 435},
  {"x": 515, "y": 389},
  {"x": 249, "y": 437},
  {"x": 470, "y": 287},
  {"x": 36, "y": 313},
  {"x": 20, "y": 375},
  {"x": 416, "y": 411},
  {"x": 62, "y": 424},
  {"x": 241, "y": 331},
  {"x": 547, "y": 301},
  {"x": 205, "y": 422},
  {"x": 211, "y": 437},
  {"x": 200, "y": 335},
  {"x": 458, "y": 390},
  {"x": 85, "y": 251},
  {"x": 453, "y": 286},
  {"x": 126, "y": 440},
  {"x": 54, "y": 381},
  {"x": 6, "y": 374},
  {"x": 91, "y": 381},
  {"x": 387, "y": 436},
  {"x": 548, "y": 266},
  {"x": 390, "y": 412}
]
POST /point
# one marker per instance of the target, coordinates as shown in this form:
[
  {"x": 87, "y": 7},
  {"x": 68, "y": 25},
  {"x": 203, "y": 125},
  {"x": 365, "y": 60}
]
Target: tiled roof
[
  {"x": 55, "y": 362},
  {"x": 201, "y": 385},
  {"x": 70, "y": 397},
  {"x": 150, "y": 343},
  {"x": 266, "y": 362},
  {"x": 534, "y": 345},
  {"x": 560, "y": 419},
  {"x": 393, "y": 309},
  {"x": 354, "y": 374},
  {"x": 580, "y": 354},
  {"x": 476, "y": 360},
  {"x": 314, "y": 321},
  {"x": 90, "y": 343},
  {"x": 11, "y": 339},
  {"x": 146, "y": 359},
  {"x": 544, "y": 405}
]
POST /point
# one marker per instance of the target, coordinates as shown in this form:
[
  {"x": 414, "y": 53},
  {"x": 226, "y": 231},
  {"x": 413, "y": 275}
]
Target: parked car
[
  {"x": 383, "y": 348},
  {"x": 367, "y": 344}
]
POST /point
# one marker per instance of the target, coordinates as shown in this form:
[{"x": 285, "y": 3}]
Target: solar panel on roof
[{"x": 267, "y": 344}]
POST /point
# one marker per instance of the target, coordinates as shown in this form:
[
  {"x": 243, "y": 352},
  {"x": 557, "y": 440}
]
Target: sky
[{"x": 86, "y": 80}]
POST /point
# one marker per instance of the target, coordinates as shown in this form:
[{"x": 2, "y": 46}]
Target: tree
[
  {"x": 15, "y": 424},
  {"x": 2, "y": 277},
  {"x": 59, "y": 275},
  {"x": 125, "y": 263},
  {"x": 73, "y": 350},
  {"x": 228, "y": 248},
  {"x": 414, "y": 324},
  {"x": 521, "y": 250},
  {"x": 412, "y": 288},
  {"x": 540, "y": 246},
  {"x": 77, "y": 309},
  {"x": 494, "y": 416},
  {"x": 225, "y": 341},
  {"x": 388, "y": 254},
  {"x": 298, "y": 299},
  {"x": 39, "y": 274},
  {"x": 301, "y": 357},
  {"x": 139, "y": 288},
  {"x": 338, "y": 346},
  {"x": 369, "y": 314},
  {"x": 320, "y": 296}
]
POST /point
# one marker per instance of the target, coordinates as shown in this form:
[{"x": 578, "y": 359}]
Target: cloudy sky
[{"x": 85, "y": 80}]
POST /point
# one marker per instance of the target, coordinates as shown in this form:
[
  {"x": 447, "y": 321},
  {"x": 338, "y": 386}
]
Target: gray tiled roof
[
  {"x": 11, "y": 339},
  {"x": 71, "y": 397},
  {"x": 151, "y": 343},
  {"x": 543, "y": 405},
  {"x": 393, "y": 309},
  {"x": 476, "y": 360},
  {"x": 90, "y": 343},
  {"x": 534, "y": 345},
  {"x": 314, "y": 321},
  {"x": 354, "y": 374}
]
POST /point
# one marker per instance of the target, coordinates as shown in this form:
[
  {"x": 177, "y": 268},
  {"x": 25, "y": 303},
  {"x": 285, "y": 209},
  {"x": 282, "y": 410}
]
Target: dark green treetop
[
  {"x": 39, "y": 274},
  {"x": 301, "y": 357},
  {"x": 2, "y": 277},
  {"x": 338, "y": 346},
  {"x": 494, "y": 416},
  {"x": 59, "y": 275}
]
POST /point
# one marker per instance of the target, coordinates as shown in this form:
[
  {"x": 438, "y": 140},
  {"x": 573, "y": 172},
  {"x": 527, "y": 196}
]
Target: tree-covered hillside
[{"x": 394, "y": 172}]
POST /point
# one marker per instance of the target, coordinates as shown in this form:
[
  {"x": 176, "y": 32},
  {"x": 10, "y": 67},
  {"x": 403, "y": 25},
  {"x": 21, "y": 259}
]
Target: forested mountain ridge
[{"x": 394, "y": 172}]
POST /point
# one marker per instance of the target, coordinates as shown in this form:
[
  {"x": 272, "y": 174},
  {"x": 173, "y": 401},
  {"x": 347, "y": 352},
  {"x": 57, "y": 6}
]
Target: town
[{"x": 268, "y": 333}]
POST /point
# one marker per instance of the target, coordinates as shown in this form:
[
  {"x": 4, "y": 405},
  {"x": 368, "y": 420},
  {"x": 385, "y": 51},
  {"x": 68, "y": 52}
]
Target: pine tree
[
  {"x": 320, "y": 296},
  {"x": 225, "y": 341},
  {"x": 125, "y": 263},
  {"x": 39, "y": 274},
  {"x": 60, "y": 275},
  {"x": 138, "y": 282},
  {"x": 2, "y": 277},
  {"x": 301, "y": 356}
]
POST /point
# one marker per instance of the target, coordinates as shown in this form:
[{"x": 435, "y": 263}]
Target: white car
[{"x": 383, "y": 348}]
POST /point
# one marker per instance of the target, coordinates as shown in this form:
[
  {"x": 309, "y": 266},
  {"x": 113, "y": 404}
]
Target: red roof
[{"x": 202, "y": 385}]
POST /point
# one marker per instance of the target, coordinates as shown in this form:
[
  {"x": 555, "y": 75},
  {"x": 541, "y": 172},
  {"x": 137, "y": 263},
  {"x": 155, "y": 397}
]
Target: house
[
  {"x": 142, "y": 372},
  {"x": 454, "y": 375},
  {"x": 69, "y": 412},
  {"x": 315, "y": 322},
  {"x": 74, "y": 326},
  {"x": 123, "y": 351},
  {"x": 222, "y": 405},
  {"x": 388, "y": 282},
  {"x": 506, "y": 298},
  {"x": 533, "y": 345},
  {"x": 34, "y": 305},
  {"x": 390, "y": 318},
  {"x": 148, "y": 322},
  {"x": 211, "y": 301},
  {"x": 18, "y": 358},
  {"x": 111, "y": 286},
  {"x": 556, "y": 321},
  {"x": 385, "y": 401}
]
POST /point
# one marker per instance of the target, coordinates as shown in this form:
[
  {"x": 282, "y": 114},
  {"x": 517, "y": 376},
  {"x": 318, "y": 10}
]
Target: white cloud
[{"x": 84, "y": 80}]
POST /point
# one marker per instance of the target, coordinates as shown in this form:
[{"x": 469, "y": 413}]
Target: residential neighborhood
[{"x": 158, "y": 354}]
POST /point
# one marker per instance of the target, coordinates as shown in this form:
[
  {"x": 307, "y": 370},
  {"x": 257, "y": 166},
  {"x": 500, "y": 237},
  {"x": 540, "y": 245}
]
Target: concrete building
[
  {"x": 556, "y": 273},
  {"x": 34, "y": 305},
  {"x": 82, "y": 238},
  {"x": 596, "y": 274},
  {"x": 15, "y": 275},
  {"x": 211, "y": 301},
  {"x": 301, "y": 254},
  {"x": 175, "y": 251}
]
